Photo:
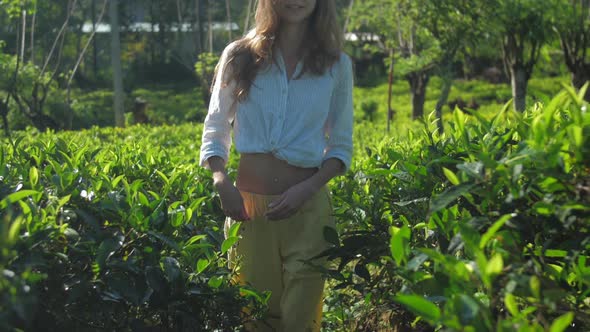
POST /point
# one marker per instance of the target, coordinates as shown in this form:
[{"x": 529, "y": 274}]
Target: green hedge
[{"x": 483, "y": 228}]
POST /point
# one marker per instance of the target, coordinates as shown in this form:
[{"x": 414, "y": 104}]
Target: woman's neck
[{"x": 290, "y": 39}]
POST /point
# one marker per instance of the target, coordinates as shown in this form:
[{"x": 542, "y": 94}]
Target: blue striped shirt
[{"x": 303, "y": 121}]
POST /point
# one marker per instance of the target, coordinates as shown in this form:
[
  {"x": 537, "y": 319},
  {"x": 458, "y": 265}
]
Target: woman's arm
[
  {"x": 292, "y": 199},
  {"x": 216, "y": 139},
  {"x": 339, "y": 124},
  {"x": 330, "y": 168},
  {"x": 231, "y": 199}
]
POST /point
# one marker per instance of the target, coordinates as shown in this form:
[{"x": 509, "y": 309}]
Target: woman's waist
[{"x": 263, "y": 173}]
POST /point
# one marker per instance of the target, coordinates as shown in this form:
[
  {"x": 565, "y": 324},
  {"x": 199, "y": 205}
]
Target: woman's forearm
[
  {"x": 217, "y": 166},
  {"x": 330, "y": 168}
]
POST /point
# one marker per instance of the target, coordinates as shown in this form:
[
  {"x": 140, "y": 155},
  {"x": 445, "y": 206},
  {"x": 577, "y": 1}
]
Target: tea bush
[
  {"x": 113, "y": 229},
  {"x": 483, "y": 228}
]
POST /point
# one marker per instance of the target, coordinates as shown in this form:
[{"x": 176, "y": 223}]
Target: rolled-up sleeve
[
  {"x": 216, "y": 139},
  {"x": 338, "y": 126}
]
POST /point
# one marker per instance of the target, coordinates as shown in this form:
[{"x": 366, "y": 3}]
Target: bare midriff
[{"x": 263, "y": 173}]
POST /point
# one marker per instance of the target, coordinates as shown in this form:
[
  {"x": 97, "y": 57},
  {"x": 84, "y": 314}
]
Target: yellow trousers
[{"x": 270, "y": 256}]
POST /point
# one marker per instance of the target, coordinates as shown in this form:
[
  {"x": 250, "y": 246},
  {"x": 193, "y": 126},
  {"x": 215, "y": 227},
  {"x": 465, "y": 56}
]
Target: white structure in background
[
  {"x": 147, "y": 27},
  {"x": 361, "y": 37}
]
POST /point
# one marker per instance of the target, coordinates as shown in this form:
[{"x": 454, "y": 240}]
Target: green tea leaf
[
  {"x": 33, "y": 176},
  {"x": 450, "y": 195},
  {"x": 576, "y": 135},
  {"x": 116, "y": 180},
  {"x": 234, "y": 229},
  {"x": 14, "y": 230},
  {"x": 202, "y": 264},
  {"x": 451, "y": 176},
  {"x": 495, "y": 265},
  {"x": 228, "y": 243},
  {"x": 249, "y": 293},
  {"x": 195, "y": 239},
  {"x": 143, "y": 199},
  {"x": 543, "y": 208},
  {"x": 573, "y": 94},
  {"x": 17, "y": 196},
  {"x": 486, "y": 237},
  {"x": 420, "y": 306},
  {"x": 188, "y": 214},
  {"x": 498, "y": 117},
  {"x": 562, "y": 322},
  {"x": 400, "y": 238},
  {"x": 459, "y": 118},
  {"x": 535, "y": 285},
  {"x": 215, "y": 282},
  {"x": 582, "y": 92},
  {"x": 511, "y": 305},
  {"x": 555, "y": 253},
  {"x": 163, "y": 177},
  {"x": 64, "y": 200}
]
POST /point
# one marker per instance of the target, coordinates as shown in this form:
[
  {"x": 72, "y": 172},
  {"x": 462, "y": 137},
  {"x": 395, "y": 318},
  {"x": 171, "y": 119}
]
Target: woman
[{"x": 287, "y": 88}]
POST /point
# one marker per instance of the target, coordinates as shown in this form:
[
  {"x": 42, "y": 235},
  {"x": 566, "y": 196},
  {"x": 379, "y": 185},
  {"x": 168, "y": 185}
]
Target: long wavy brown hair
[{"x": 253, "y": 52}]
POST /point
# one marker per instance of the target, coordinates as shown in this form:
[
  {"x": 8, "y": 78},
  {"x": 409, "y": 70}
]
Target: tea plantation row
[{"x": 483, "y": 228}]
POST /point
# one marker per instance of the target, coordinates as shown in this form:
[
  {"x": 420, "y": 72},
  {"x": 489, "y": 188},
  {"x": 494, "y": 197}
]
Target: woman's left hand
[{"x": 290, "y": 201}]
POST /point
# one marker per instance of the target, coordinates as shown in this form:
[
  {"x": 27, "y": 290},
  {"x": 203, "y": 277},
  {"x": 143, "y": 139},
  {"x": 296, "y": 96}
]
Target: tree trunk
[
  {"x": 418, "y": 81},
  {"x": 201, "y": 26},
  {"x": 151, "y": 36},
  {"x": 248, "y": 14},
  {"x": 33, "y": 23},
  {"x": 179, "y": 33},
  {"x": 94, "y": 46},
  {"x": 518, "y": 80},
  {"x": 116, "y": 61},
  {"x": 4, "y": 113},
  {"x": 163, "y": 47},
  {"x": 442, "y": 100},
  {"x": 347, "y": 20},
  {"x": 209, "y": 26},
  {"x": 23, "y": 35},
  {"x": 228, "y": 11},
  {"x": 390, "y": 91}
]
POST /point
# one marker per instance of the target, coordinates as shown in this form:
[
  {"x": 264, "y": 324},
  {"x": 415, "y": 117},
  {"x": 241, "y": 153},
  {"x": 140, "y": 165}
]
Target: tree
[
  {"x": 116, "y": 58},
  {"x": 30, "y": 85},
  {"x": 454, "y": 24},
  {"x": 72, "y": 74},
  {"x": 523, "y": 28},
  {"x": 573, "y": 27},
  {"x": 413, "y": 46}
]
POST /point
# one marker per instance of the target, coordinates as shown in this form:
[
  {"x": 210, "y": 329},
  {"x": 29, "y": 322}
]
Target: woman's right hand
[{"x": 231, "y": 200}]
